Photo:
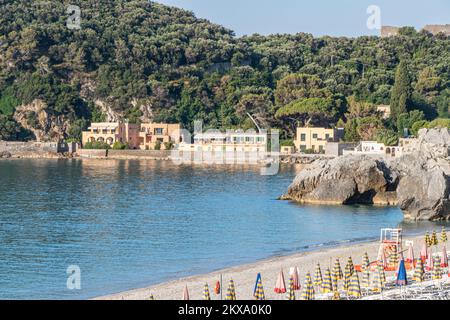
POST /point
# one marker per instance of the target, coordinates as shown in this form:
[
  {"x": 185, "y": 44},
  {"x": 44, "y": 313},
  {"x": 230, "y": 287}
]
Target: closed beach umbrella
[
  {"x": 437, "y": 271},
  {"x": 308, "y": 288},
  {"x": 351, "y": 265},
  {"x": 424, "y": 253},
  {"x": 382, "y": 276},
  {"x": 365, "y": 261},
  {"x": 410, "y": 258},
  {"x": 434, "y": 239},
  {"x": 206, "y": 294},
  {"x": 334, "y": 282},
  {"x": 291, "y": 293},
  {"x": 444, "y": 235},
  {"x": 295, "y": 275},
  {"x": 151, "y": 297},
  {"x": 280, "y": 287},
  {"x": 347, "y": 276},
  {"x": 402, "y": 277},
  {"x": 354, "y": 288},
  {"x": 430, "y": 262},
  {"x": 231, "y": 291},
  {"x": 376, "y": 285},
  {"x": 428, "y": 240},
  {"x": 337, "y": 271},
  {"x": 444, "y": 258},
  {"x": 327, "y": 285},
  {"x": 419, "y": 271},
  {"x": 186, "y": 293},
  {"x": 365, "y": 282},
  {"x": 394, "y": 259},
  {"x": 259, "y": 290},
  {"x": 318, "y": 276}
]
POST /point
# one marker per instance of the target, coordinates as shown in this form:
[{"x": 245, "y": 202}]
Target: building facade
[
  {"x": 153, "y": 134},
  {"x": 137, "y": 136},
  {"x": 112, "y": 132},
  {"x": 373, "y": 148},
  {"x": 315, "y": 139}
]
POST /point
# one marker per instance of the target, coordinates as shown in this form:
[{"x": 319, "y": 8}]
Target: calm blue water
[{"x": 130, "y": 224}]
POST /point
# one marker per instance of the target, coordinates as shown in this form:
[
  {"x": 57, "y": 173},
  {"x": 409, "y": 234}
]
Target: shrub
[
  {"x": 120, "y": 146},
  {"x": 158, "y": 145},
  {"x": 96, "y": 146}
]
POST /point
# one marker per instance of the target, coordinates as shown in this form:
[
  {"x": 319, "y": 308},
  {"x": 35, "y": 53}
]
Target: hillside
[{"x": 145, "y": 61}]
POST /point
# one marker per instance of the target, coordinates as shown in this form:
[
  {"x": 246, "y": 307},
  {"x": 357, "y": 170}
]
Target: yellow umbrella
[
  {"x": 308, "y": 288},
  {"x": 327, "y": 285},
  {"x": 337, "y": 271},
  {"x": 318, "y": 276},
  {"x": 291, "y": 291},
  {"x": 444, "y": 235},
  {"x": 376, "y": 285},
  {"x": 419, "y": 271},
  {"x": 206, "y": 294},
  {"x": 259, "y": 290},
  {"x": 231, "y": 292},
  {"x": 437, "y": 271},
  {"x": 354, "y": 288}
]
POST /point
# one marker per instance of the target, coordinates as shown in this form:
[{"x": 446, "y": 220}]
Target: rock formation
[{"x": 418, "y": 181}]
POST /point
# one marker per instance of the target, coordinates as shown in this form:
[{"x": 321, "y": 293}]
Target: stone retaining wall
[{"x": 30, "y": 149}]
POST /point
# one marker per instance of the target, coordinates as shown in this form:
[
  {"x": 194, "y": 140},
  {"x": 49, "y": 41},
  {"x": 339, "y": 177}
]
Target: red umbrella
[
  {"x": 444, "y": 259},
  {"x": 280, "y": 287},
  {"x": 424, "y": 253},
  {"x": 430, "y": 263},
  {"x": 186, "y": 293},
  {"x": 294, "y": 273},
  {"x": 410, "y": 258}
]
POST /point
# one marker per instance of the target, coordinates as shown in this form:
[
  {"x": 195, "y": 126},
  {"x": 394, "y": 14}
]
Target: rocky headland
[{"x": 418, "y": 181}]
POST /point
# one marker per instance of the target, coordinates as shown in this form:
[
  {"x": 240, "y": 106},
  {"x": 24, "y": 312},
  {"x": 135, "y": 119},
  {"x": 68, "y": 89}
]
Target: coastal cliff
[{"x": 418, "y": 182}]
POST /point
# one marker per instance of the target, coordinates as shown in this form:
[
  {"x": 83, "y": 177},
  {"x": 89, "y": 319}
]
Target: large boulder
[
  {"x": 344, "y": 180},
  {"x": 418, "y": 182}
]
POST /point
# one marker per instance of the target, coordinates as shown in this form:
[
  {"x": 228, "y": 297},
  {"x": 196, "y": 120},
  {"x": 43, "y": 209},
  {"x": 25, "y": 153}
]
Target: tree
[
  {"x": 401, "y": 92},
  {"x": 406, "y": 120},
  {"x": 387, "y": 137}
]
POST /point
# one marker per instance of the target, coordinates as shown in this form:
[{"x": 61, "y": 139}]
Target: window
[
  {"x": 315, "y": 136},
  {"x": 320, "y": 149},
  {"x": 303, "y": 137},
  {"x": 159, "y": 131},
  {"x": 302, "y": 148},
  {"x": 327, "y": 137}
]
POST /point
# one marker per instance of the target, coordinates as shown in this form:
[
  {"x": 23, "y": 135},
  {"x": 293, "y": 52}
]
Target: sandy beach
[{"x": 244, "y": 276}]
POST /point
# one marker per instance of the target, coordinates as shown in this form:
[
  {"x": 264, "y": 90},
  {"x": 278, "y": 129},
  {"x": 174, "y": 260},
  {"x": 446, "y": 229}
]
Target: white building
[{"x": 373, "y": 148}]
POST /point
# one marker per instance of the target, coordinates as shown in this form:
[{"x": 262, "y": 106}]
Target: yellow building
[
  {"x": 151, "y": 133},
  {"x": 111, "y": 132},
  {"x": 315, "y": 139}
]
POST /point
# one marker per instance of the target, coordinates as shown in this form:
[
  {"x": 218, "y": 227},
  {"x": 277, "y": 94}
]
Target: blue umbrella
[{"x": 402, "y": 277}]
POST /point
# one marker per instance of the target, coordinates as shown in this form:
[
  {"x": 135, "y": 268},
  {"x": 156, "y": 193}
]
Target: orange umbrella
[
  {"x": 280, "y": 286},
  {"x": 294, "y": 273},
  {"x": 186, "y": 293}
]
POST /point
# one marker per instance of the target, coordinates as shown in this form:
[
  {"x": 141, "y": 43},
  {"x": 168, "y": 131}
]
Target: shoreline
[{"x": 244, "y": 275}]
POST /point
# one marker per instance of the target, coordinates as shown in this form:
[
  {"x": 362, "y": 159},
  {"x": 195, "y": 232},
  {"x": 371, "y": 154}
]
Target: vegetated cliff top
[{"x": 143, "y": 60}]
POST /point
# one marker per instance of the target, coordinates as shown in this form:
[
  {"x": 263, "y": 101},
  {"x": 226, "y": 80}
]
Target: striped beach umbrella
[
  {"x": 350, "y": 265},
  {"x": 428, "y": 240},
  {"x": 402, "y": 277},
  {"x": 444, "y": 238},
  {"x": 152, "y": 298},
  {"x": 327, "y": 284},
  {"x": 206, "y": 294},
  {"x": 186, "y": 293},
  {"x": 376, "y": 285},
  {"x": 291, "y": 292},
  {"x": 365, "y": 281},
  {"x": 337, "y": 271},
  {"x": 382, "y": 276},
  {"x": 347, "y": 277},
  {"x": 308, "y": 288},
  {"x": 231, "y": 291},
  {"x": 280, "y": 286},
  {"x": 354, "y": 289},
  {"x": 334, "y": 283},
  {"x": 394, "y": 259},
  {"x": 419, "y": 272},
  {"x": 434, "y": 239},
  {"x": 365, "y": 261},
  {"x": 318, "y": 276},
  {"x": 444, "y": 258},
  {"x": 437, "y": 271},
  {"x": 259, "y": 290},
  {"x": 294, "y": 273}
]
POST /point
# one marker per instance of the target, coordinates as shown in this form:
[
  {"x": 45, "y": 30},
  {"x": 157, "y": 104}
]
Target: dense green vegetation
[{"x": 146, "y": 60}]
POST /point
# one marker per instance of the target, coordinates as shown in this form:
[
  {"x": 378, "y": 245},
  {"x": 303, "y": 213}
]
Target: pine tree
[{"x": 401, "y": 92}]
